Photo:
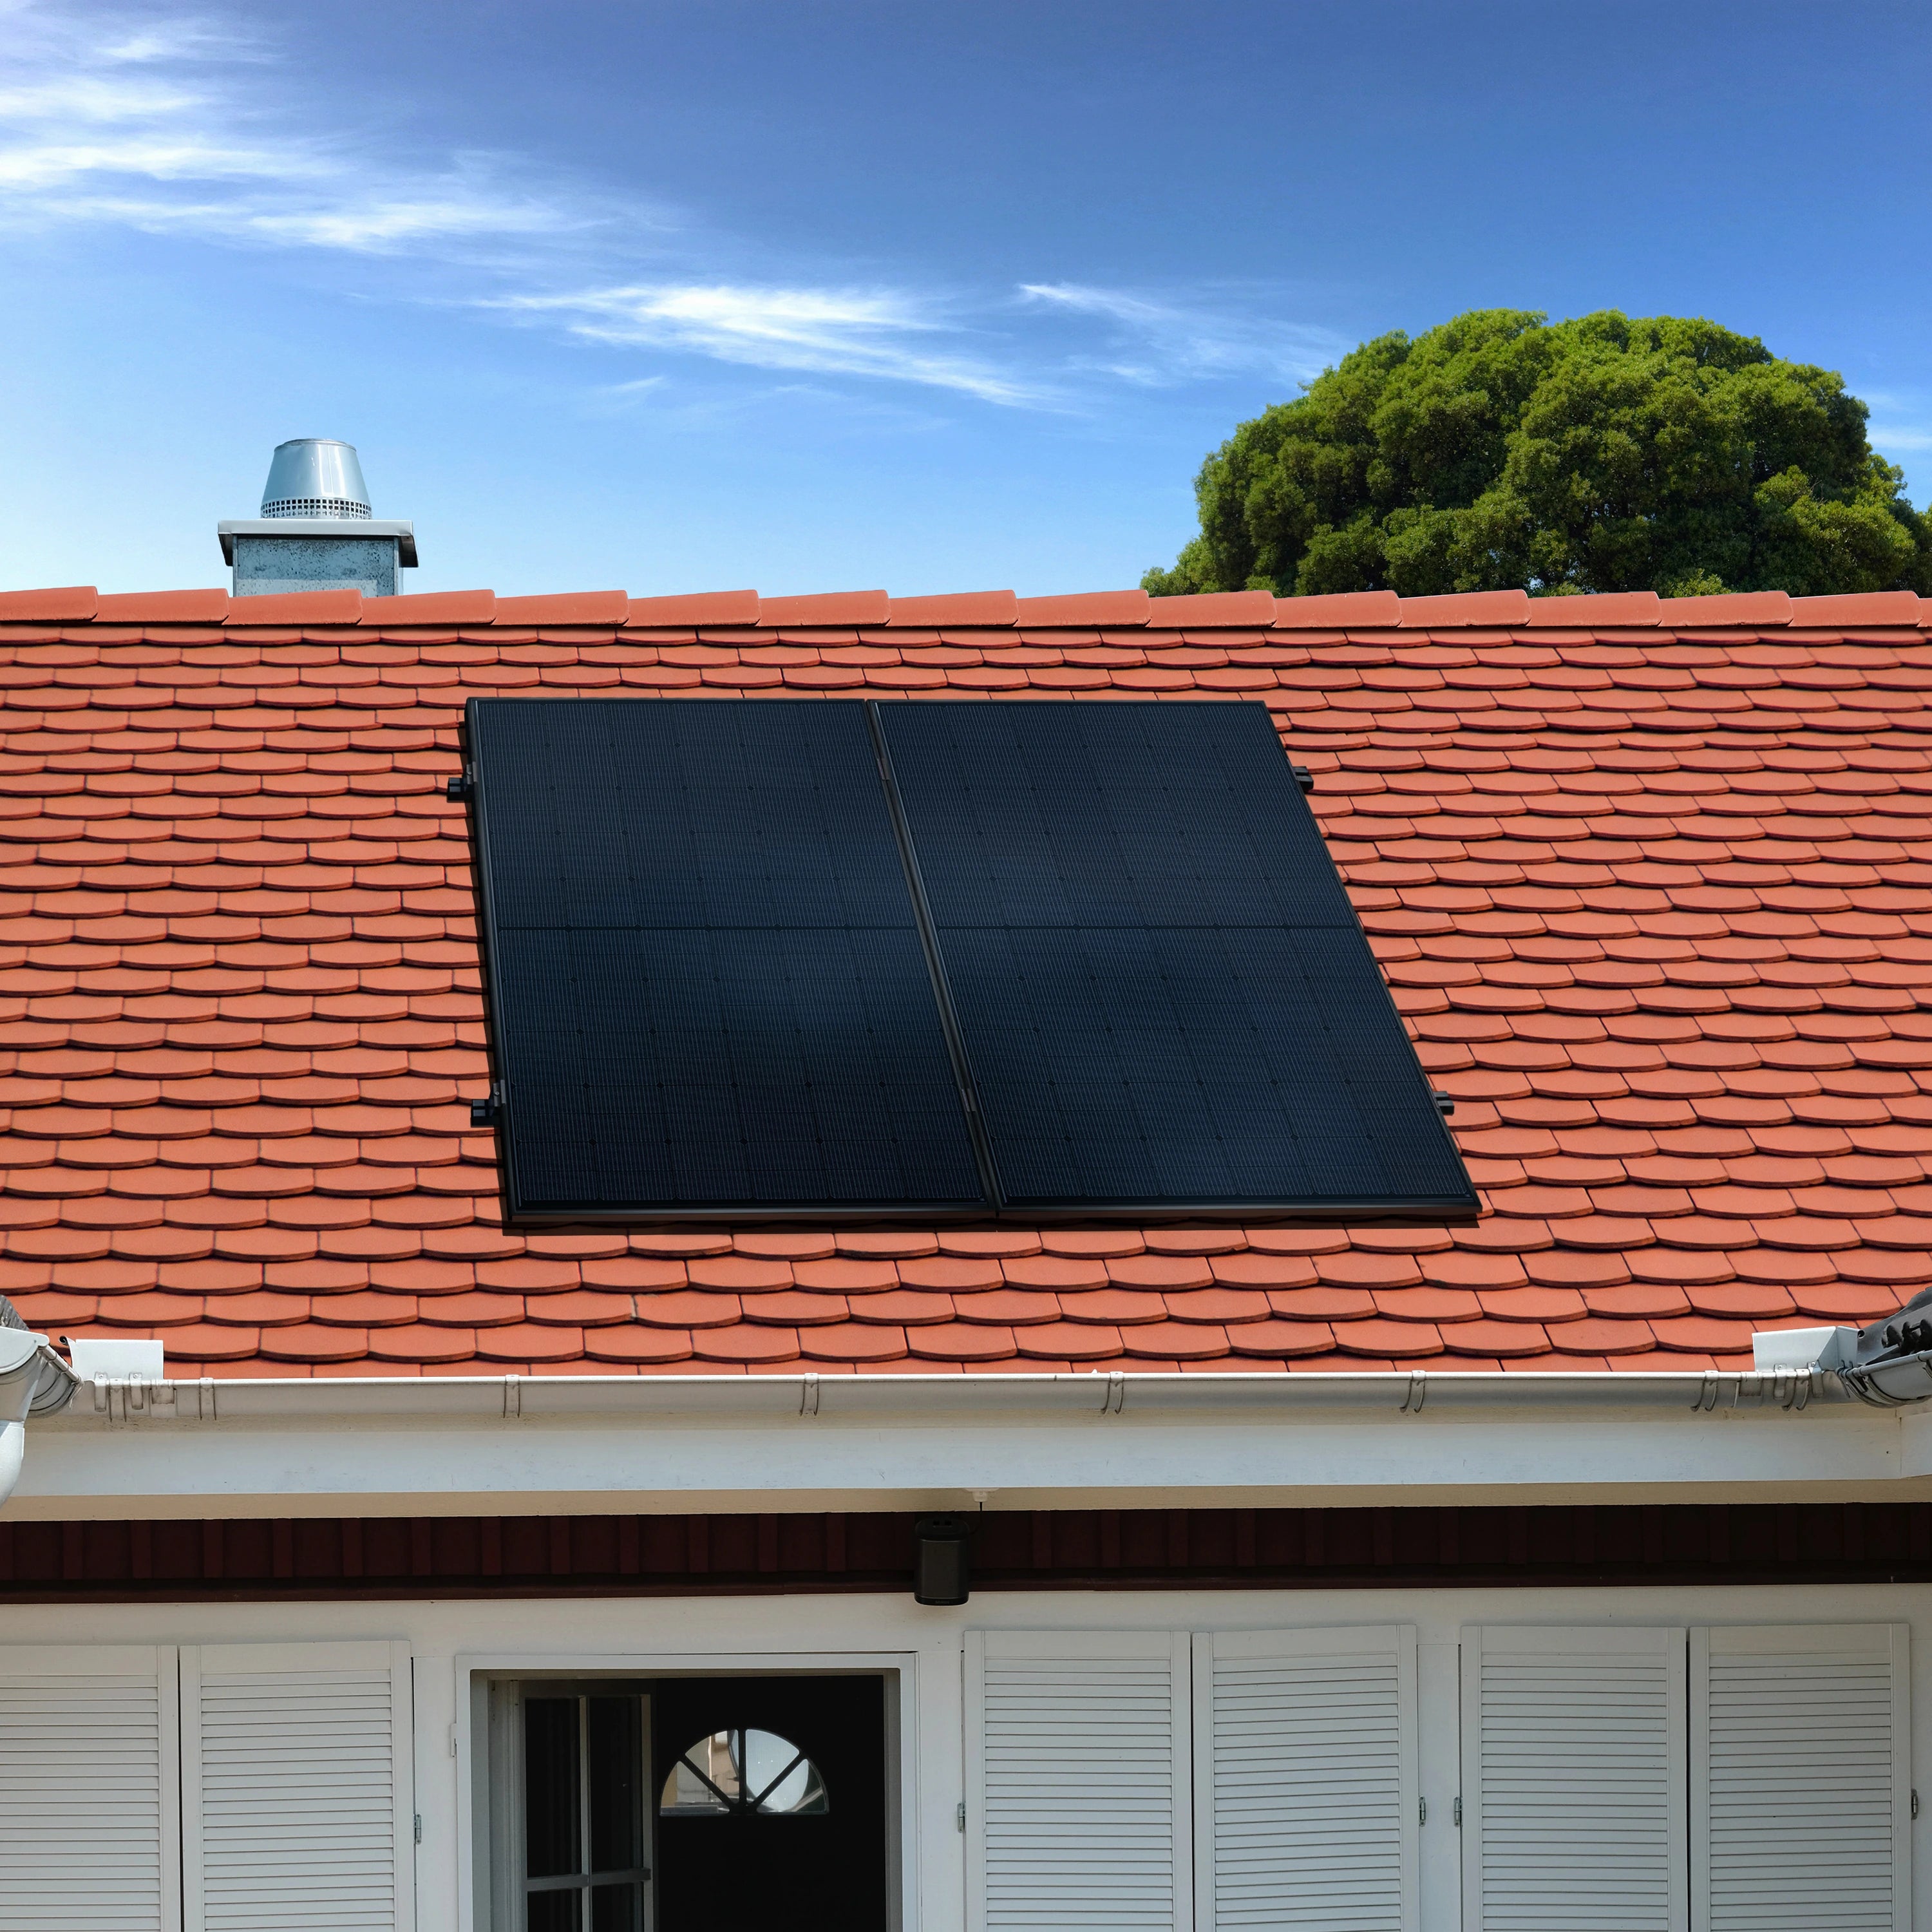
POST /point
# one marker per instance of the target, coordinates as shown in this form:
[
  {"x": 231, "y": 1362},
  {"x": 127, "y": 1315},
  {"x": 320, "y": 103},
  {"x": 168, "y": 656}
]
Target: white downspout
[{"x": 33, "y": 1380}]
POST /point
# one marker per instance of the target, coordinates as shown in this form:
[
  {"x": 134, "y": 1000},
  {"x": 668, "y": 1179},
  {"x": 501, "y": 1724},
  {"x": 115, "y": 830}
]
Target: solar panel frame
[{"x": 500, "y": 942}]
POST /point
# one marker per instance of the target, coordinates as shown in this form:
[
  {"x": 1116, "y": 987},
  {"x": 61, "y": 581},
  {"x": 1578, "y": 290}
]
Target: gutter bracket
[
  {"x": 1416, "y": 1393},
  {"x": 1706, "y": 1397},
  {"x": 1114, "y": 1397},
  {"x": 808, "y": 1393},
  {"x": 513, "y": 1398},
  {"x": 120, "y": 1398}
]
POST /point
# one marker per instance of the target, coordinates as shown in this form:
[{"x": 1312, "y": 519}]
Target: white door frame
[{"x": 900, "y": 1668}]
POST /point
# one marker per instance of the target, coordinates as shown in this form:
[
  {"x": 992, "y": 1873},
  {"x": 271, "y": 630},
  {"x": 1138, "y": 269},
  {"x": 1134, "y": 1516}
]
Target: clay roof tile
[{"x": 1604, "y": 842}]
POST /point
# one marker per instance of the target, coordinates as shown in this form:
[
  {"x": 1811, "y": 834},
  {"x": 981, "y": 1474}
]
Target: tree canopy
[{"x": 1502, "y": 451}]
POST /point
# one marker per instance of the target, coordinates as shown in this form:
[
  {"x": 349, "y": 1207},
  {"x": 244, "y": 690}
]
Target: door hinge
[
  {"x": 1459, "y": 1811},
  {"x": 418, "y": 1828},
  {"x": 1915, "y": 1802},
  {"x": 959, "y": 1816},
  {"x": 1422, "y": 1810},
  {"x": 452, "y": 1740}
]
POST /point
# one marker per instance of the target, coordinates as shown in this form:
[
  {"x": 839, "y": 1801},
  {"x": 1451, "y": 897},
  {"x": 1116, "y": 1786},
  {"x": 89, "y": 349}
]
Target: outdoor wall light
[{"x": 942, "y": 1567}]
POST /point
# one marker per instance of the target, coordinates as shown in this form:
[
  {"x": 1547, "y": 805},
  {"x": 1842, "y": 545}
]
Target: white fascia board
[{"x": 578, "y": 1444}]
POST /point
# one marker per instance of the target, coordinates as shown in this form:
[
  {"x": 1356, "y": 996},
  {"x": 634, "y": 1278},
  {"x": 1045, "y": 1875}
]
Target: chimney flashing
[{"x": 404, "y": 532}]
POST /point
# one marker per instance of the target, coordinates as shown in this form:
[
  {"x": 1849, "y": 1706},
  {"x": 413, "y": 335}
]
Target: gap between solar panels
[{"x": 831, "y": 961}]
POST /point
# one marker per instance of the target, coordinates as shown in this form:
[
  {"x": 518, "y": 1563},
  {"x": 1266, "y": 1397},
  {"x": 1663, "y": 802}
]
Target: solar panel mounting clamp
[{"x": 462, "y": 786}]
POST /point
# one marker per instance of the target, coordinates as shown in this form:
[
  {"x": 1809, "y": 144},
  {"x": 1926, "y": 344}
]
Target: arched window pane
[{"x": 744, "y": 1770}]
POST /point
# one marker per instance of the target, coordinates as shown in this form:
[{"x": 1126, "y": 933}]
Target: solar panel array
[{"x": 937, "y": 960}]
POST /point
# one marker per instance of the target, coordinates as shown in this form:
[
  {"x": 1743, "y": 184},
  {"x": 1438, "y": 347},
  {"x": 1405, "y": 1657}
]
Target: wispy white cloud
[
  {"x": 882, "y": 333},
  {"x": 172, "y": 127},
  {"x": 182, "y": 128},
  {"x": 1155, "y": 341},
  {"x": 1901, "y": 420}
]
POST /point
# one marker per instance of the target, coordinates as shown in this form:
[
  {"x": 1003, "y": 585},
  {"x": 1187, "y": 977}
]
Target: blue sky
[{"x": 837, "y": 294}]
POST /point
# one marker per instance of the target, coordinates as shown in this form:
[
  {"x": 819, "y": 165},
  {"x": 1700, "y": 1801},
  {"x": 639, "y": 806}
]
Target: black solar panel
[
  {"x": 1166, "y": 1002},
  {"x": 708, "y": 987}
]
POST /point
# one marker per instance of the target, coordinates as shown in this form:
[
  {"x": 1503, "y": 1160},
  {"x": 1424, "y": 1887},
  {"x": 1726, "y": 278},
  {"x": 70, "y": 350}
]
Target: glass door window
[{"x": 585, "y": 1847}]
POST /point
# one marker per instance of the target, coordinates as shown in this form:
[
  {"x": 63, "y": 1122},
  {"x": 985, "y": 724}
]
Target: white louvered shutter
[
  {"x": 296, "y": 1806},
  {"x": 1801, "y": 1798},
  {"x": 1306, "y": 1781},
  {"x": 90, "y": 1817},
  {"x": 1575, "y": 1798},
  {"x": 1077, "y": 1781}
]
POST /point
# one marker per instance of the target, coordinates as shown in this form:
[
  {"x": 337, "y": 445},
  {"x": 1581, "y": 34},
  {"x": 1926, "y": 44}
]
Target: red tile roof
[{"x": 1652, "y": 882}]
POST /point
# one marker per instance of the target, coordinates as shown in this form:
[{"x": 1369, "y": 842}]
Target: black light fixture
[{"x": 942, "y": 1564}]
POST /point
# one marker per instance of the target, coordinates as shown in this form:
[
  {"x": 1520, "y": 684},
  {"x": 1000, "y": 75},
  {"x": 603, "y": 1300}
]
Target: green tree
[{"x": 1501, "y": 450}]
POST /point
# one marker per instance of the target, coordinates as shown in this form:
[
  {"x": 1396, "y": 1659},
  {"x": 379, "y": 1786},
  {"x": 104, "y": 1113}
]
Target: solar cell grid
[{"x": 1031, "y": 813}]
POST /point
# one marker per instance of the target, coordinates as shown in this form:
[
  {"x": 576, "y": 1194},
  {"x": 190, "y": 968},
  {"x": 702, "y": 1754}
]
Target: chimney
[{"x": 315, "y": 531}]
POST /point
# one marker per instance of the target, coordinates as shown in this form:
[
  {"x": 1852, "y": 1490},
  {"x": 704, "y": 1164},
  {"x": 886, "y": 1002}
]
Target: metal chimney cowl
[
  {"x": 315, "y": 476},
  {"x": 316, "y": 531}
]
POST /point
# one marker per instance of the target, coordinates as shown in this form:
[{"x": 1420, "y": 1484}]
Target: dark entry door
[{"x": 771, "y": 1804}]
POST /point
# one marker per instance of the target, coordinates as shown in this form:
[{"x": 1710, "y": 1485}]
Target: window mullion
[{"x": 584, "y": 1809}]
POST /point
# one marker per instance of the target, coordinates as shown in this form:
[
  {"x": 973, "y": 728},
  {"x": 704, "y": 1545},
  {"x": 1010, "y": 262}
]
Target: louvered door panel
[
  {"x": 1800, "y": 1793},
  {"x": 296, "y": 1802},
  {"x": 1306, "y": 1780},
  {"x": 89, "y": 1801},
  {"x": 1077, "y": 1807},
  {"x": 1574, "y": 1788}
]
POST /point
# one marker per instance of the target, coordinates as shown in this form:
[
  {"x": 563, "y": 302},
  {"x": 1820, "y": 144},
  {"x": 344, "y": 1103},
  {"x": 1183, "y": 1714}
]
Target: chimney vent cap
[{"x": 315, "y": 476}]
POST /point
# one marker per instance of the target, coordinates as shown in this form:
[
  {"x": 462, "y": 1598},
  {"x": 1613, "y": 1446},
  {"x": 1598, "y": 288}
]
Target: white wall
[{"x": 645, "y": 1634}]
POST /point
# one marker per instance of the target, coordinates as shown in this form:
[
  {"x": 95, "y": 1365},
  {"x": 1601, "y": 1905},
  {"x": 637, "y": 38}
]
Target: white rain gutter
[
  {"x": 33, "y": 1380},
  {"x": 1254, "y": 1398}
]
